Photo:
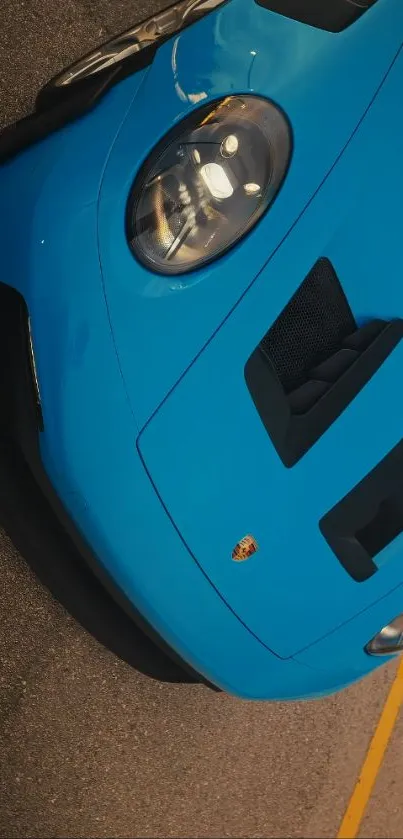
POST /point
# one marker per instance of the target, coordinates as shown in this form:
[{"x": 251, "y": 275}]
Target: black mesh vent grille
[
  {"x": 313, "y": 362},
  {"x": 311, "y": 327}
]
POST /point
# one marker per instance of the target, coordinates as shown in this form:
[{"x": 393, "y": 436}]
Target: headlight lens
[
  {"x": 208, "y": 183},
  {"x": 389, "y": 640},
  {"x": 146, "y": 34}
]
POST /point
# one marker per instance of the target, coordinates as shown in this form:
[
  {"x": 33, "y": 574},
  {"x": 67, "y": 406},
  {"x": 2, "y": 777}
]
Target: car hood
[
  {"x": 210, "y": 457},
  {"x": 324, "y": 83}
]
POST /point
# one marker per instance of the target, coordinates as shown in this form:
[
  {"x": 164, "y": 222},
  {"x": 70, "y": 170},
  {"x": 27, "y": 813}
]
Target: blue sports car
[{"x": 201, "y": 323}]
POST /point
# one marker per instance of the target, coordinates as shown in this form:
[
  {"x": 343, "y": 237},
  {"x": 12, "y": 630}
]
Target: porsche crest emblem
[{"x": 245, "y": 549}]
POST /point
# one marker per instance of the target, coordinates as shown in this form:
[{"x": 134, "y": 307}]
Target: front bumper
[{"x": 166, "y": 593}]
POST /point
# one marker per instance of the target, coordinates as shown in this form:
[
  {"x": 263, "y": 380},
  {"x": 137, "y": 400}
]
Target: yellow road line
[{"x": 356, "y": 808}]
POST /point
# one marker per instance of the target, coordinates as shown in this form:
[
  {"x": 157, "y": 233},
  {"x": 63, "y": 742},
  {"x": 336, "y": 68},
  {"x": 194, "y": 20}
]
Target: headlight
[
  {"x": 207, "y": 183},
  {"x": 146, "y": 34},
  {"x": 389, "y": 640}
]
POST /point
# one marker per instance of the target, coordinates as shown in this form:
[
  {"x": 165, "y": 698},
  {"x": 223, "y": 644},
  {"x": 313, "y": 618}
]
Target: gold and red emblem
[{"x": 245, "y": 549}]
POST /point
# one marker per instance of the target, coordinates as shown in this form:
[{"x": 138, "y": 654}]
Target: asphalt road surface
[{"x": 89, "y": 747}]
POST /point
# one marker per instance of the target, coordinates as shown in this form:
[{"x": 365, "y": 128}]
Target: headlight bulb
[
  {"x": 252, "y": 189},
  {"x": 217, "y": 181},
  {"x": 229, "y": 146}
]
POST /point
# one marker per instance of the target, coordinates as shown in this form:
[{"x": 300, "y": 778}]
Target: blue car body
[{"x": 151, "y": 439}]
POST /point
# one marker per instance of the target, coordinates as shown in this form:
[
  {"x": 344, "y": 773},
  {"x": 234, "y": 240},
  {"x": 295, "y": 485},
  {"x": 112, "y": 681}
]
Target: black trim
[
  {"x": 296, "y": 418},
  {"x": 36, "y": 521},
  {"x": 51, "y": 95},
  {"x": 333, "y": 15},
  {"x": 369, "y": 518},
  {"x": 57, "y": 106}
]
